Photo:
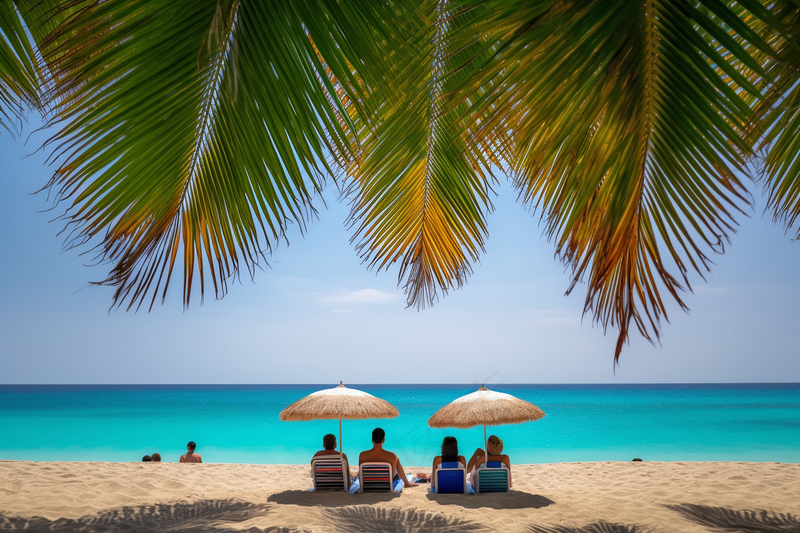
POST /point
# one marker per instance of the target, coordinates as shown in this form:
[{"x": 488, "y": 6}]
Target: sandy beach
[{"x": 602, "y": 497}]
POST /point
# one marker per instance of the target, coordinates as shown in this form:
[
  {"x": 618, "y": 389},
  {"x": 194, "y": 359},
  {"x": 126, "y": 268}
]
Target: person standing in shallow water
[{"x": 190, "y": 456}]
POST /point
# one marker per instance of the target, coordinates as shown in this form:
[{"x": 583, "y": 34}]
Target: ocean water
[{"x": 239, "y": 424}]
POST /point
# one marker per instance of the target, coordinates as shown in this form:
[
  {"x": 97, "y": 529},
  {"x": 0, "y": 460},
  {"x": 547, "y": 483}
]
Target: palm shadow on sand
[
  {"x": 368, "y": 519},
  {"x": 596, "y": 527},
  {"x": 723, "y": 519},
  {"x": 329, "y": 499},
  {"x": 505, "y": 500},
  {"x": 213, "y": 516}
]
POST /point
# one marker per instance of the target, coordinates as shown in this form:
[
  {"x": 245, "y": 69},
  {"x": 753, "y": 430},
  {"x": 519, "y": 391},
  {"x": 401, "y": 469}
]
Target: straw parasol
[
  {"x": 339, "y": 402},
  {"x": 485, "y": 407}
]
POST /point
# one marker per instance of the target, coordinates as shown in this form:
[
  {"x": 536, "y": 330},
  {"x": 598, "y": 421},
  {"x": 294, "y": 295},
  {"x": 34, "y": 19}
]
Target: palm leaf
[
  {"x": 629, "y": 120},
  {"x": 778, "y": 117},
  {"x": 18, "y": 81},
  {"x": 421, "y": 191},
  {"x": 195, "y": 129}
]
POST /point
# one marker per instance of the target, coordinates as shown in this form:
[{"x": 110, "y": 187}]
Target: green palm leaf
[
  {"x": 18, "y": 81},
  {"x": 778, "y": 126},
  {"x": 421, "y": 191},
  {"x": 196, "y": 130},
  {"x": 629, "y": 121}
]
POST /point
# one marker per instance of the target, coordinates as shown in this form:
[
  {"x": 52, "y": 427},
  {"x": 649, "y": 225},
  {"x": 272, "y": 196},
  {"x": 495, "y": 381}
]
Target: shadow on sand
[
  {"x": 204, "y": 515},
  {"x": 506, "y": 500},
  {"x": 596, "y": 527},
  {"x": 329, "y": 499},
  {"x": 368, "y": 519},
  {"x": 724, "y": 519}
]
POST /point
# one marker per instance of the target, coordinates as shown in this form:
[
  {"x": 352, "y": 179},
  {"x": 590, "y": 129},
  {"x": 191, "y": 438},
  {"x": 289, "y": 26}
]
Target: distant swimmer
[{"x": 190, "y": 456}]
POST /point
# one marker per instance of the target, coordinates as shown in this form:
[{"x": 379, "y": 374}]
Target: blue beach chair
[
  {"x": 328, "y": 473},
  {"x": 450, "y": 478},
  {"x": 375, "y": 477},
  {"x": 492, "y": 477}
]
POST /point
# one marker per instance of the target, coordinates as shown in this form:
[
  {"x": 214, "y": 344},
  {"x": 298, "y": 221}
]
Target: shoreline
[{"x": 225, "y": 497}]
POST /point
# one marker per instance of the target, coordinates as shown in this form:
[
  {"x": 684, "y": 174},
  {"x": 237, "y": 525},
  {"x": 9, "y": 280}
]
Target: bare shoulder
[{"x": 391, "y": 457}]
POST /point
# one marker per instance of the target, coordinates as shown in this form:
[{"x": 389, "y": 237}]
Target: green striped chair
[
  {"x": 492, "y": 477},
  {"x": 328, "y": 473}
]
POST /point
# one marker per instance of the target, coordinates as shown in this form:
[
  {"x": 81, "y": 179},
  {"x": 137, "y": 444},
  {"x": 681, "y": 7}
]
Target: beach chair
[
  {"x": 328, "y": 473},
  {"x": 375, "y": 477},
  {"x": 450, "y": 478},
  {"x": 492, "y": 477}
]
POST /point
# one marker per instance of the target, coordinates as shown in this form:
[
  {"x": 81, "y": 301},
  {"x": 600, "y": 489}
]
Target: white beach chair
[
  {"x": 492, "y": 477},
  {"x": 375, "y": 477},
  {"x": 329, "y": 473}
]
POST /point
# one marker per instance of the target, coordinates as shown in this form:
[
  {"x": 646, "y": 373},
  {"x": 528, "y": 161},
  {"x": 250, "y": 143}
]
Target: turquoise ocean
[{"x": 239, "y": 423}]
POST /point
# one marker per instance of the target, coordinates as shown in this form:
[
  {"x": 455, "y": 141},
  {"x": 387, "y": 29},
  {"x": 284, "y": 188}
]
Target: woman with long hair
[{"x": 449, "y": 455}]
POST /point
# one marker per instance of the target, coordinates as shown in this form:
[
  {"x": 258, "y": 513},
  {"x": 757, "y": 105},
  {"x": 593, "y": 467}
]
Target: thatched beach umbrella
[
  {"x": 339, "y": 402},
  {"x": 484, "y": 407}
]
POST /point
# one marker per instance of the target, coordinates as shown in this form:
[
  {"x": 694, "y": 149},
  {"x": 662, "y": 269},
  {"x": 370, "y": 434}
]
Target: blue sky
[{"x": 318, "y": 316}]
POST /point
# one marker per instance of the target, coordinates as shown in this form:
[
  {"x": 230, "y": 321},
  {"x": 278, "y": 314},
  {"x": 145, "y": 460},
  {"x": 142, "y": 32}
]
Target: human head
[
  {"x": 156, "y": 457},
  {"x": 329, "y": 441},
  {"x": 449, "y": 447},
  {"x": 378, "y": 435},
  {"x": 146, "y": 459},
  {"x": 191, "y": 446},
  {"x": 495, "y": 445}
]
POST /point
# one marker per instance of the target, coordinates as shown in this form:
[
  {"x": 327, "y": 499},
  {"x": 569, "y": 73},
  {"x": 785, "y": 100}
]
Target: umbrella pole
[
  {"x": 341, "y": 456},
  {"x": 486, "y": 449}
]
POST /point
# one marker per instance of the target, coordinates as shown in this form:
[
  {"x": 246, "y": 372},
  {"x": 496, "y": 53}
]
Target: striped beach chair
[
  {"x": 328, "y": 473},
  {"x": 450, "y": 478},
  {"x": 492, "y": 477},
  {"x": 375, "y": 477}
]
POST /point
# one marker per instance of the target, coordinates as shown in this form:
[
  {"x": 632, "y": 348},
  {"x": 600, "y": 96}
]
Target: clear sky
[{"x": 318, "y": 316}]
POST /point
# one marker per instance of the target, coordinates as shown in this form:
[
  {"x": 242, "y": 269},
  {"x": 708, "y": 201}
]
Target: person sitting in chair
[
  {"x": 495, "y": 447},
  {"x": 449, "y": 455},
  {"x": 329, "y": 448},
  {"x": 378, "y": 455}
]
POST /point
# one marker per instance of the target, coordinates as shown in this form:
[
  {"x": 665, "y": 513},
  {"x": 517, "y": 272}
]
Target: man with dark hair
[
  {"x": 329, "y": 448},
  {"x": 190, "y": 456},
  {"x": 378, "y": 455}
]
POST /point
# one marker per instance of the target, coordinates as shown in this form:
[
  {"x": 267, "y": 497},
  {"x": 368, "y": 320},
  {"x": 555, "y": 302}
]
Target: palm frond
[
  {"x": 195, "y": 129},
  {"x": 777, "y": 128},
  {"x": 421, "y": 191},
  {"x": 18, "y": 81},
  {"x": 629, "y": 120}
]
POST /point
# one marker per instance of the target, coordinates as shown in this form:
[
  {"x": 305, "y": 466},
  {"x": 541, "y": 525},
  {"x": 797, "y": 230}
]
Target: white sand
[{"x": 550, "y": 498}]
